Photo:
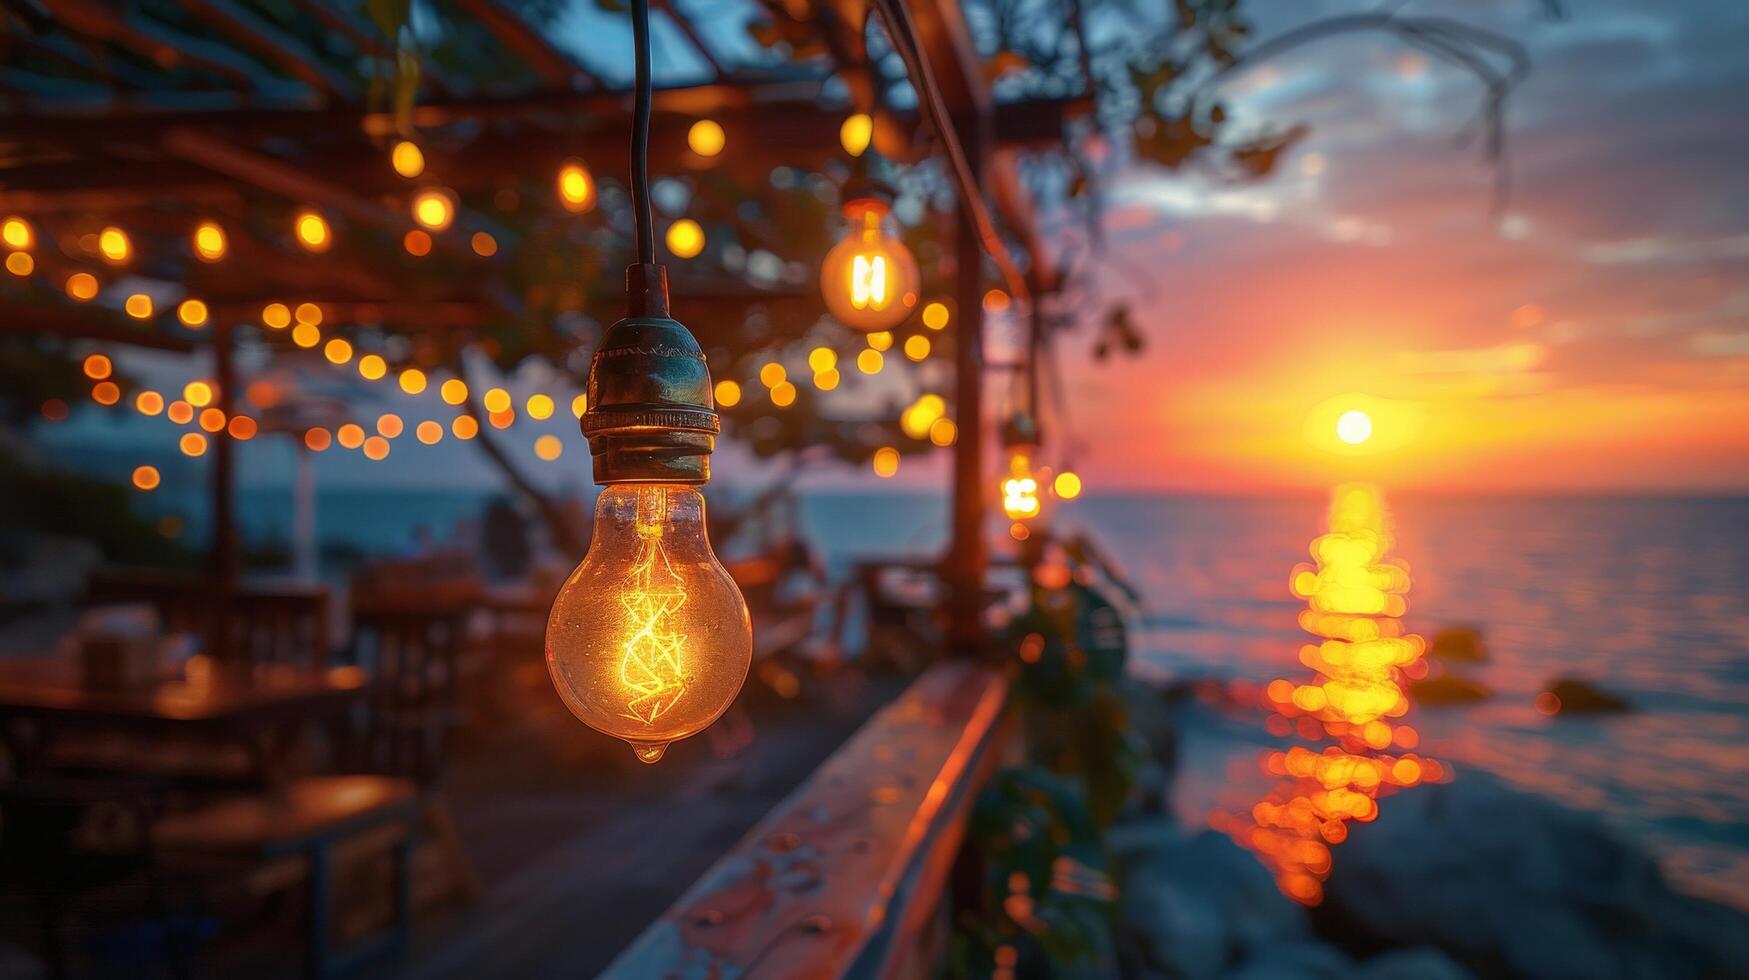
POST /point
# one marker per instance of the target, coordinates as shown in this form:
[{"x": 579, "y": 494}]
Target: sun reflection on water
[{"x": 1352, "y": 706}]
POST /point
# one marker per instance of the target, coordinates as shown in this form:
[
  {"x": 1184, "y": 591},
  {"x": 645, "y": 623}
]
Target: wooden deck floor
[{"x": 579, "y": 849}]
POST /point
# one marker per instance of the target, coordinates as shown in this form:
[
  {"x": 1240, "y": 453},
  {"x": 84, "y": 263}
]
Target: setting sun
[{"x": 1354, "y": 427}]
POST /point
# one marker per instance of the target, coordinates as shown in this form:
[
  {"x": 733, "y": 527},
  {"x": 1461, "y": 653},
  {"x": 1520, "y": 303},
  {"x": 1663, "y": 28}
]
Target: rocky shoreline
[{"x": 1470, "y": 877}]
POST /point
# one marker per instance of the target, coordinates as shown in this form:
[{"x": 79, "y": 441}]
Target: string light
[
  {"x": 149, "y": 403},
  {"x": 276, "y": 316},
  {"x": 306, "y": 334},
  {"x": 146, "y": 478},
  {"x": 350, "y": 435},
  {"x": 1020, "y": 489},
  {"x": 106, "y": 393},
  {"x": 496, "y": 400},
  {"x": 97, "y": 367},
  {"x": 916, "y": 420},
  {"x": 372, "y": 367},
  {"x": 82, "y": 287},
  {"x": 576, "y": 187},
  {"x": 17, "y": 232},
  {"x": 944, "y": 432},
  {"x": 209, "y": 241},
  {"x": 309, "y": 313},
  {"x": 706, "y": 138},
  {"x": 138, "y": 306},
  {"x": 685, "y": 238},
  {"x": 917, "y": 347},
  {"x": 407, "y": 159},
  {"x": 434, "y": 209},
  {"x": 548, "y": 447},
  {"x": 881, "y": 340},
  {"x": 783, "y": 395},
  {"x": 429, "y": 432},
  {"x": 317, "y": 440},
  {"x": 827, "y": 380},
  {"x": 453, "y": 392},
  {"x": 539, "y": 407},
  {"x": 772, "y": 374},
  {"x": 242, "y": 428},
  {"x": 20, "y": 264},
  {"x": 337, "y": 350},
  {"x": 376, "y": 448},
  {"x": 212, "y": 419},
  {"x": 935, "y": 316},
  {"x": 870, "y": 361},
  {"x": 192, "y": 313},
  {"x": 198, "y": 393},
  {"x": 886, "y": 462},
  {"x": 728, "y": 393},
  {"x": 869, "y": 279},
  {"x": 464, "y": 427},
  {"x": 484, "y": 245},
  {"x": 579, "y": 405},
  {"x": 114, "y": 246},
  {"x": 192, "y": 444},
  {"x": 313, "y": 232},
  {"x": 1067, "y": 485},
  {"x": 179, "y": 412},
  {"x": 389, "y": 425},
  {"x": 855, "y": 133},
  {"x": 417, "y": 243},
  {"x": 412, "y": 381}
]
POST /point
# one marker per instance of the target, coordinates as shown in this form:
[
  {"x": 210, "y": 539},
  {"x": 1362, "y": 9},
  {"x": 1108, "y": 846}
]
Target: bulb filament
[
  {"x": 868, "y": 282},
  {"x": 652, "y": 667}
]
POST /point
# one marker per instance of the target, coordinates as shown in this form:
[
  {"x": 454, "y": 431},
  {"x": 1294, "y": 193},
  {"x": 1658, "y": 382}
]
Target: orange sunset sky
[{"x": 1594, "y": 335}]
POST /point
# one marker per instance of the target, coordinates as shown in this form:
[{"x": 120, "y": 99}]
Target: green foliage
[
  {"x": 1043, "y": 896},
  {"x": 1036, "y": 839}
]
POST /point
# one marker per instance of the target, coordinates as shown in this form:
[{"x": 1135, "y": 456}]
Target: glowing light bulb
[
  {"x": 407, "y": 159},
  {"x": 435, "y": 209},
  {"x": 209, "y": 242},
  {"x": 685, "y": 238},
  {"x": 576, "y": 187},
  {"x": 869, "y": 279},
  {"x": 17, "y": 232},
  {"x": 313, "y": 232},
  {"x": 1020, "y": 490},
  {"x": 855, "y": 133},
  {"x": 649, "y": 640},
  {"x": 706, "y": 138},
  {"x": 114, "y": 245}
]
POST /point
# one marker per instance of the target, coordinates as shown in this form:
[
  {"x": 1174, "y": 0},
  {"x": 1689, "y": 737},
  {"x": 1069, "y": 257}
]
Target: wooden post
[
  {"x": 223, "y": 555},
  {"x": 965, "y": 560}
]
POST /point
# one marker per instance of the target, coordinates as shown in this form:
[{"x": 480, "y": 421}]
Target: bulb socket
[{"x": 651, "y": 416}]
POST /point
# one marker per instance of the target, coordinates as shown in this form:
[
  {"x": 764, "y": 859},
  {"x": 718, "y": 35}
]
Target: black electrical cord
[{"x": 642, "y": 218}]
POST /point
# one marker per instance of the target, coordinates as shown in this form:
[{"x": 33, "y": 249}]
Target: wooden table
[{"x": 257, "y": 705}]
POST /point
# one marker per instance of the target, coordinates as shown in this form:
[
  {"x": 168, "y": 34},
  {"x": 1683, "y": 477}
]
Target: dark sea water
[{"x": 1648, "y": 597}]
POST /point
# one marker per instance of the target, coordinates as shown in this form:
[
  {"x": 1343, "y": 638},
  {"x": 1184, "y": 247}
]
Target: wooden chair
[
  {"x": 412, "y": 654},
  {"x": 282, "y": 624},
  {"x": 304, "y": 832}
]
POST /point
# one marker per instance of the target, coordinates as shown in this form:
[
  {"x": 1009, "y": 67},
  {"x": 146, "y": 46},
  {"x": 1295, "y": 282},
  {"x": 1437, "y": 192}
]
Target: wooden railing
[{"x": 845, "y": 877}]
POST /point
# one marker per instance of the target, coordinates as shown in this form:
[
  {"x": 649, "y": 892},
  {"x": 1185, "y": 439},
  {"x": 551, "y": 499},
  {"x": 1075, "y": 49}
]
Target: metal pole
[{"x": 965, "y": 559}]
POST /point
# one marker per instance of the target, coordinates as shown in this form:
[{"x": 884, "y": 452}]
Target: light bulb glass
[
  {"x": 649, "y": 640},
  {"x": 869, "y": 279}
]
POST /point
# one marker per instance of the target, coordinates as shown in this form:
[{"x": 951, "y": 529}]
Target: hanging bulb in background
[
  {"x": 869, "y": 279},
  {"x": 649, "y": 640}
]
